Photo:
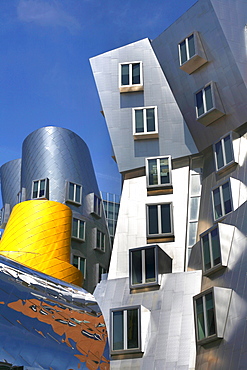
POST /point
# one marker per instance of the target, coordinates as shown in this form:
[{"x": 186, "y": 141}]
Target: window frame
[
  {"x": 145, "y": 133},
  {"x": 188, "y": 57},
  {"x": 222, "y": 143},
  {"x": 159, "y": 220},
  {"x": 205, "y": 110},
  {"x": 125, "y": 349},
  {"x": 75, "y": 185},
  {"x": 213, "y": 266},
  {"x": 101, "y": 247},
  {"x": 97, "y": 206},
  {"x": 222, "y": 202},
  {"x": 46, "y": 188},
  {"x": 79, "y": 220},
  {"x": 159, "y": 185},
  {"x": 79, "y": 264},
  {"x": 131, "y": 86}
]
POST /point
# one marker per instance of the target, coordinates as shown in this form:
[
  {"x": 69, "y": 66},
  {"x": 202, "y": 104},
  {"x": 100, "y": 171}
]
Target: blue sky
[{"x": 45, "y": 73}]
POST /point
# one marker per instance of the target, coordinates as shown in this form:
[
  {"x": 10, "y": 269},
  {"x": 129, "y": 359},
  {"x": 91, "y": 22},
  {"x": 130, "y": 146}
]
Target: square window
[
  {"x": 186, "y": 49},
  {"x": 40, "y": 189},
  {"x": 222, "y": 200},
  {"x": 145, "y": 122},
  {"x": 191, "y": 53},
  {"x": 78, "y": 229},
  {"x": 158, "y": 171},
  {"x": 211, "y": 249},
  {"x": 100, "y": 240},
  {"x": 130, "y": 77},
  {"x": 125, "y": 330},
  {"x": 74, "y": 193},
  {"x": 80, "y": 264},
  {"x": 159, "y": 220},
  {"x": 223, "y": 152}
]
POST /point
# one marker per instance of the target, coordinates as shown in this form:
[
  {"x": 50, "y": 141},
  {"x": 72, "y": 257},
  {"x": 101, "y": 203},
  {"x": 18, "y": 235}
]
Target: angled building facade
[{"x": 175, "y": 107}]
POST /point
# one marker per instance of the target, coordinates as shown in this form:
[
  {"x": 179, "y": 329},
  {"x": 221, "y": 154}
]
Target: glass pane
[
  {"x": 219, "y": 155},
  {"x": 110, "y": 224},
  {"x": 136, "y": 76},
  {"x": 206, "y": 252},
  {"x": 217, "y": 204},
  {"x": 124, "y": 74},
  {"x": 165, "y": 219},
  {"x": 42, "y": 188},
  {"x": 110, "y": 211},
  {"x": 132, "y": 328},
  {"x": 76, "y": 261},
  {"x": 102, "y": 244},
  {"x": 81, "y": 230},
  {"x": 192, "y": 233},
  {"x": 71, "y": 191},
  {"x": 191, "y": 44},
  {"x": 228, "y": 149},
  {"x": 200, "y": 319},
  {"x": 150, "y": 119},
  {"x": 153, "y": 220},
  {"x": 164, "y": 171},
  {"x": 82, "y": 265},
  {"x": 195, "y": 186},
  {"x": 78, "y": 194},
  {"x": 183, "y": 54},
  {"x": 152, "y": 172},
  {"x": 74, "y": 228},
  {"x": 98, "y": 239},
  {"x": 210, "y": 314},
  {"x": 117, "y": 332},
  {"x": 227, "y": 198},
  {"x": 199, "y": 103},
  {"x": 35, "y": 189},
  {"x": 139, "y": 126},
  {"x": 136, "y": 266},
  {"x": 194, "y": 208},
  {"x": 215, "y": 246},
  {"x": 150, "y": 275},
  {"x": 208, "y": 97}
]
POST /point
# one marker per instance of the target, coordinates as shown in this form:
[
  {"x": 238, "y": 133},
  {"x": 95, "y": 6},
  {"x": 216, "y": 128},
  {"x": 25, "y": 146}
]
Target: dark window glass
[
  {"x": 78, "y": 194},
  {"x": 118, "y": 330},
  {"x": 150, "y": 265},
  {"x": 208, "y": 97},
  {"x": 227, "y": 198},
  {"x": 139, "y": 121},
  {"x": 183, "y": 53},
  {"x": 75, "y": 261},
  {"x": 191, "y": 45},
  {"x": 153, "y": 219},
  {"x": 228, "y": 149},
  {"x": 217, "y": 204},
  {"x": 165, "y": 219},
  {"x": 71, "y": 191},
  {"x": 200, "y": 319},
  {"x": 219, "y": 154},
  {"x": 35, "y": 189},
  {"x": 42, "y": 188},
  {"x": 125, "y": 74},
  {"x": 132, "y": 327},
  {"x": 199, "y": 103},
  {"x": 215, "y": 247},
  {"x": 81, "y": 229},
  {"x": 164, "y": 171},
  {"x": 206, "y": 252},
  {"x": 75, "y": 228},
  {"x": 150, "y": 116},
  {"x": 136, "y": 267},
  {"x": 152, "y": 172},
  {"x": 210, "y": 314},
  {"x": 136, "y": 79}
]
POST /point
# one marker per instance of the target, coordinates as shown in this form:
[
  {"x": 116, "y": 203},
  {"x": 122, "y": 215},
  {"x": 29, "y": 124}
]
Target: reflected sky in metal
[{"x": 48, "y": 324}]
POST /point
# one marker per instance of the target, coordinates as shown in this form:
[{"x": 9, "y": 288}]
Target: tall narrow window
[
  {"x": 186, "y": 49},
  {"x": 40, "y": 189},
  {"x": 223, "y": 152},
  {"x": 159, "y": 219},
  {"x": 158, "y": 171},
  {"x": 145, "y": 120},
  {"x": 131, "y": 74},
  {"x": 96, "y": 205},
  {"x": 205, "y": 316},
  {"x": 204, "y": 100},
  {"x": 100, "y": 240},
  {"x": 211, "y": 249},
  {"x": 74, "y": 193},
  {"x": 80, "y": 264},
  {"x": 222, "y": 201},
  {"x": 125, "y": 330},
  {"x": 78, "y": 229}
]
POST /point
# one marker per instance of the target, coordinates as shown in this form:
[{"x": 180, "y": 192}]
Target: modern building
[
  {"x": 176, "y": 111},
  {"x": 56, "y": 165}
]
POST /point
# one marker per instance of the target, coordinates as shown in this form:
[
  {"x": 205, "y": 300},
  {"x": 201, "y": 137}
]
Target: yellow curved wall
[{"x": 38, "y": 235}]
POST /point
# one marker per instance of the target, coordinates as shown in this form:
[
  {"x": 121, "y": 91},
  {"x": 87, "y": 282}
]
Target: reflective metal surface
[{"x": 48, "y": 324}]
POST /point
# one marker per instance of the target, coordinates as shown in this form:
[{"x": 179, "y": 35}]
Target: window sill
[
  {"x": 78, "y": 239},
  {"x": 160, "y": 239},
  {"x": 207, "y": 340},
  {"x": 193, "y": 64},
  {"x": 98, "y": 249},
  {"x": 95, "y": 215},
  {"x": 73, "y": 202},
  {"x": 160, "y": 189},
  {"x": 210, "y": 116},
  {"x": 146, "y": 136},
  {"x": 142, "y": 288},
  {"x": 227, "y": 167},
  {"x": 126, "y": 354},
  {"x": 214, "y": 269},
  {"x": 133, "y": 88},
  {"x": 216, "y": 220}
]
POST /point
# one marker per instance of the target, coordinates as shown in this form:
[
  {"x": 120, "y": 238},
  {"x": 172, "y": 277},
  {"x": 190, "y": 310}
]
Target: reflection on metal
[
  {"x": 38, "y": 235},
  {"x": 48, "y": 324}
]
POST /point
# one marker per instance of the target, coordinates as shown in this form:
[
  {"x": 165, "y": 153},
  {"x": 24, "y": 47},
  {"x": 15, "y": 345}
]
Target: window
[
  {"x": 96, "y": 205},
  {"x": 205, "y": 316},
  {"x": 145, "y": 121},
  {"x": 78, "y": 229},
  {"x": 211, "y": 249},
  {"x": 130, "y": 77},
  {"x": 101, "y": 271},
  {"x": 143, "y": 266},
  {"x": 204, "y": 100},
  {"x": 80, "y": 264},
  {"x": 222, "y": 202},
  {"x": 100, "y": 241},
  {"x": 159, "y": 219},
  {"x": 125, "y": 330},
  {"x": 223, "y": 152},
  {"x": 186, "y": 49},
  {"x": 74, "y": 193},
  {"x": 158, "y": 171},
  {"x": 40, "y": 189}
]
